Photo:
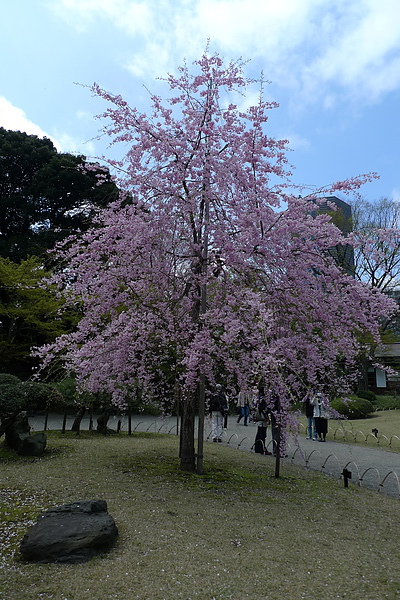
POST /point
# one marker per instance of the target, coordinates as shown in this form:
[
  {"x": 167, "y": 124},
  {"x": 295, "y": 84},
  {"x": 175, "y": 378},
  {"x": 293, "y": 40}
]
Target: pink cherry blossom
[{"x": 209, "y": 210}]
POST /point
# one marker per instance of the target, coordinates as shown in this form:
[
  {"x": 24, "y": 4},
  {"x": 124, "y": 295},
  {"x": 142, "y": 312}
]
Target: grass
[
  {"x": 359, "y": 431},
  {"x": 235, "y": 532},
  {"x": 387, "y": 402}
]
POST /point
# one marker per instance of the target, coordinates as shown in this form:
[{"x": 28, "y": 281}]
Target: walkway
[{"x": 370, "y": 467}]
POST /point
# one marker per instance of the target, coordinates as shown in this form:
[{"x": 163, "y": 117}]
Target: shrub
[
  {"x": 387, "y": 402},
  {"x": 367, "y": 396},
  {"x": 355, "y": 408},
  {"x": 8, "y": 379},
  {"x": 67, "y": 388},
  {"x": 12, "y": 398},
  {"x": 42, "y": 396},
  {"x": 17, "y": 396}
]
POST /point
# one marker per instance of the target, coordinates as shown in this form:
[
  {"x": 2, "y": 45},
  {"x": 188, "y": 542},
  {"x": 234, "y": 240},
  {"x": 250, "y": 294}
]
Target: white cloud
[
  {"x": 133, "y": 17},
  {"x": 75, "y": 145},
  {"x": 14, "y": 118},
  {"x": 156, "y": 62},
  {"x": 297, "y": 142},
  {"x": 364, "y": 59},
  {"x": 269, "y": 28},
  {"x": 314, "y": 46}
]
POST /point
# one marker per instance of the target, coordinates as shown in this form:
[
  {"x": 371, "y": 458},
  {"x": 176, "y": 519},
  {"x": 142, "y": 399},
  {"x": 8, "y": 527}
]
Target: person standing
[
  {"x": 321, "y": 416},
  {"x": 218, "y": 408},
  {"x": 243, "y": 404},
  {"x": 262, "y": 422},
  {"x": 311, "y": 429}
]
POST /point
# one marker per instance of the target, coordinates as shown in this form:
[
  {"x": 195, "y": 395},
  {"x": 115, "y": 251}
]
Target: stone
[
  {"x": 18, "y": 436},
  {"x": 71, "y": 533},
  {"x": 15, "y": 427},
  {"x": 32, "y": 445}
]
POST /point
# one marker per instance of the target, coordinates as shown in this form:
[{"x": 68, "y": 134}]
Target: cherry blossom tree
[{"x": 212, "y": 272}]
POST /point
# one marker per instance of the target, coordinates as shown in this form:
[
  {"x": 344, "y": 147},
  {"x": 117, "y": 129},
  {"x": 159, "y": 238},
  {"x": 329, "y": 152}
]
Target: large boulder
[
  {"x": 32, "y": 445},
  {"x": 71, "y": 533},
  {"x": 18, "y": 436}
]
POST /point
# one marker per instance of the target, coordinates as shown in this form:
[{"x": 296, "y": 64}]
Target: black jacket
[{"x": 218, "y": 402}]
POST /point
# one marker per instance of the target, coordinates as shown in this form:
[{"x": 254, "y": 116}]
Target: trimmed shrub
[
  {"x": 42, "y": 397},
  {"x": 387, "y": 402},
  {"x": 8, "y": 379},
  {"x": 355, "y": 408},
  {"x": 12, "y": 398},
  {"x": 367, "y": 396},
  {"x": 34, "y": 396}
]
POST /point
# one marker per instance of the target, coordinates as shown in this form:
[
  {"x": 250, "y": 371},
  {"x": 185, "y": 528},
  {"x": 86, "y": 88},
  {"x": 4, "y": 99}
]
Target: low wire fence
[{"x": 314, "y": 458}]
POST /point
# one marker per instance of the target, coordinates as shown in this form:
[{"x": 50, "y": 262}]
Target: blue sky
[{"x": 334, "y": 68}]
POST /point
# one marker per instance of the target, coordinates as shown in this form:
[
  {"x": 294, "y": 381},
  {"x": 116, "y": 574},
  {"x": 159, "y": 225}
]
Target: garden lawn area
[
  {"x": 359, "y": 431},
  {"x": 235, "y": 532}
]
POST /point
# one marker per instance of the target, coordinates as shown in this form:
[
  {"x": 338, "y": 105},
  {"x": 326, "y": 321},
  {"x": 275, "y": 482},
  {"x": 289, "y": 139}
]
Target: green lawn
[
  {"x": 235, "y": 532},
  {"x": 359, "y": 431}
]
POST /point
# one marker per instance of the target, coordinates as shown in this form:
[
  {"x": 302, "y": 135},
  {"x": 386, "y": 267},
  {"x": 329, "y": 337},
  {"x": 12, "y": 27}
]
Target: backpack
[
  {"x": 224, "y": 407},
  {"x": 260, "y": 415}
]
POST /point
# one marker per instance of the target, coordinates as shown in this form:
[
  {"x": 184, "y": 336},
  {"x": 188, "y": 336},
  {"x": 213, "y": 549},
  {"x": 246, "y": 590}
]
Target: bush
[
  {"x": 67, "y": 388},
  {"x": 12, "y": 398},
  {"x": 8, "y": 379},
  {"x": 387, "y": 402},
  {"x": 42, "y": 396},
  {"x": 367, "y": 396},
  {"x": 355, "y": 408},
  {"x": 17, "y": 396}
]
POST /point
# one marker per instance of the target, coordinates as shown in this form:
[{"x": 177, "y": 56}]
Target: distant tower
[{"x": 342, "y": 218}]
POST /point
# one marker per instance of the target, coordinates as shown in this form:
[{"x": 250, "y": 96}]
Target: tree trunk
[
  {"x": 187, "y": 452},
  {"x": 64, "y": 423},
  {"x": 278, "y": 452},
  {"x": 363, "y": 379},
  {"x": 102, "y": 422},
  {"x": 76, "y": 425},
  {"x": 91, "y": 417},
  {"x": 46, "y": 420},
  {"x": 129, "y": 421}
]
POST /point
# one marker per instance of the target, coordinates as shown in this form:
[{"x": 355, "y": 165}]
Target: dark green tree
[
  {"x": 29, "y": 315},
  {"x": 45, "y": 195}
]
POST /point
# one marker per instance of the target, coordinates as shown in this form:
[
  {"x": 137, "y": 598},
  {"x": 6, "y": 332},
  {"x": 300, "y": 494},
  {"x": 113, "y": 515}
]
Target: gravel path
[{"x": 370, "y": 467}]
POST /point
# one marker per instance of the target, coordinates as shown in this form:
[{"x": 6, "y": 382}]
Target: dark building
[{"x": 342, "y": 218}]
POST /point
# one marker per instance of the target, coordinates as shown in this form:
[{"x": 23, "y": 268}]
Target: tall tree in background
[
  {"x": 29, "y": 315},
  {"x": 213, "y": 269},
  {"x": 376, "y": 241},
  {"x": 45, "y": 195}
]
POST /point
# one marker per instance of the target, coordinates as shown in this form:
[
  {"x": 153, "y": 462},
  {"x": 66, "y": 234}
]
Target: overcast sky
[{"x": 334, "y": 68}]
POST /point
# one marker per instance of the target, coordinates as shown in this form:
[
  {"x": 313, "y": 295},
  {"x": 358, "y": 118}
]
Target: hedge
[{"x": 354, "y": 408}]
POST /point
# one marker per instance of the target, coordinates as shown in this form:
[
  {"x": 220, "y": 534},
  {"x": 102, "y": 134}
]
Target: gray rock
[
  {"x": 18, "y": 437},
  {"x": 71, "y": 533},
  {"x": 32, "y": 445}
]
